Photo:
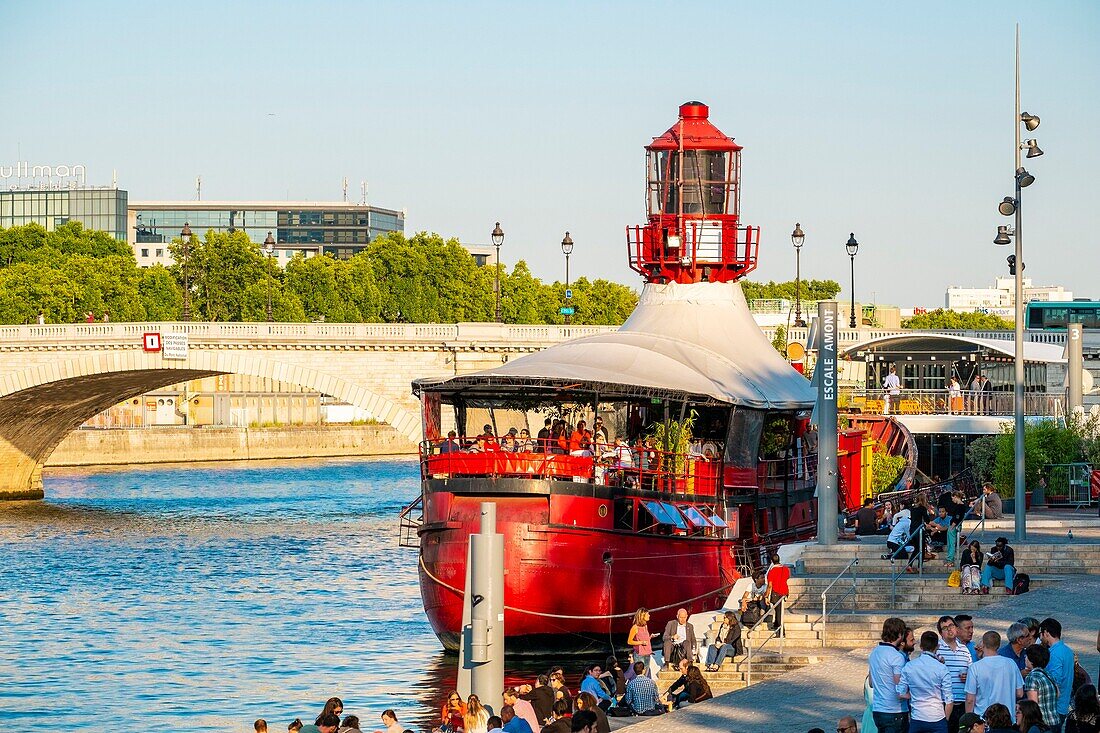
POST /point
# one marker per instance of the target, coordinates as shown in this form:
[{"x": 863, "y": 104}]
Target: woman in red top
[
  {"x": 454, "y": 710},
  {"x": 778, "y": 575},
  {"x": 639, "y": 638}
]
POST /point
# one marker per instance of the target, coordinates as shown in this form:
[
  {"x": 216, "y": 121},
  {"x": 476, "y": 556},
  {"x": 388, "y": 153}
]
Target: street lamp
[
  {"x": 1013, "y": 207},
  {"x": 498, "y": 239},
  {"x": 567, "y": 249},
  {"x": 185, "y": 237},
  {"x": 269, "y": 248},
  {"x": 852, "y": 246},
  {"x": 798, "y": 237}
]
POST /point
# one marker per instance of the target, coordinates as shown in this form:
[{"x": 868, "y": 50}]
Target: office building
[
  {"x": 101, "y": 208},
  {"x": 1001, "y": 298},
  {"x": 338, "y": 229}
]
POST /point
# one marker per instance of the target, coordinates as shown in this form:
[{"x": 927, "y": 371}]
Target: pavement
[{"x": 819, "y": 695}]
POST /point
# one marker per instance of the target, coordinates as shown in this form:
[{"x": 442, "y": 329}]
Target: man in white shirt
[
  {"x": 927, "y": 684},
  {"x": 957, "y": 658},
  {"x": 891, "y": 385},
  {"x": 890, "y": 711},
  {"x": 993, "y": 679}
]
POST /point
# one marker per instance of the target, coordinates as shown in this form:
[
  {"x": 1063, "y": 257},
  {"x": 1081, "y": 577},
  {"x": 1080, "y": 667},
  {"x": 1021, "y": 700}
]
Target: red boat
[{"x": 701, "y": 452}]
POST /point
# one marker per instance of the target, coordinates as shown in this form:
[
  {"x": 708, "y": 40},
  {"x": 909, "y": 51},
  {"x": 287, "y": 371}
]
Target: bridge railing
[{"x": 433, "y": 333}]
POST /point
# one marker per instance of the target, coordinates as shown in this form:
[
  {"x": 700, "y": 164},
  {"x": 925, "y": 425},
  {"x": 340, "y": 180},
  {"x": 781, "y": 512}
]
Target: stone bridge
[{"x": 55, "y": 377}]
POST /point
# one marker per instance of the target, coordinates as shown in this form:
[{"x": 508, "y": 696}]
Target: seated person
[
  {"x": 987, "y": 505},
  {"x": 899, "y": 535},
  {"x": 508, "y": 442},
  {"x": 1000, "y": 564},
  {"x": 726, "y": 642},
  {"x": 938, "y": 528},
  {"x": 677, "y": 693},
  {"x": 867, "y": 519},
  {"x": 641, "y": 692},
  {"x": 580, "y": 442},
  {"x": 754, "y": 602},
  {"x": 524, "y": 444},
  {"x": 450, "y": 445},
  {"x": 488, "y": 440}
]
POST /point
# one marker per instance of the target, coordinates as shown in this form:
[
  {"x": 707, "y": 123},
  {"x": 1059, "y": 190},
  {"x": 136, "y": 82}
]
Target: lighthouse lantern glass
[{"x": 708, "y": 182}]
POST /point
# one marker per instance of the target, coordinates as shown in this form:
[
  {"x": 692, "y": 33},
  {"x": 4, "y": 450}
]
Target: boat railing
[
  {"x": 607, "y": 465},
  {"x": 409, "y": 521},
  {"x": 943, "y": 402}
]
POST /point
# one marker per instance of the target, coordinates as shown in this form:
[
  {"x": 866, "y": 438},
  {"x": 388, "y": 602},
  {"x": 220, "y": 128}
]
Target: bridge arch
[{"x": 40, "y": 405}]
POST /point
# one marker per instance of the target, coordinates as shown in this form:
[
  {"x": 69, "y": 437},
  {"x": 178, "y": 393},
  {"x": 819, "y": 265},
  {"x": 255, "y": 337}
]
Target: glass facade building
[
  {"x": 102, "y": 209},
  {"x": 336, "y": 229}
]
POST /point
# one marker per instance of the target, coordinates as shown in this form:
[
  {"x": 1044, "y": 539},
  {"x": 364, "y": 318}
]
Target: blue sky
[{"x": 891, "y": 120}]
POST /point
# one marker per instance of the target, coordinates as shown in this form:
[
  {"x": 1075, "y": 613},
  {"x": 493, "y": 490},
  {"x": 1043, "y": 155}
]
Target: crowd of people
[
  {"x": 1023, "y": 678},
  {"x": 330, "y": 721}
]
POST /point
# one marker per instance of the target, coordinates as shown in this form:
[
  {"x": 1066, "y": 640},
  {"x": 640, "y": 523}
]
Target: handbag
[{"x": 954, "y": 580}]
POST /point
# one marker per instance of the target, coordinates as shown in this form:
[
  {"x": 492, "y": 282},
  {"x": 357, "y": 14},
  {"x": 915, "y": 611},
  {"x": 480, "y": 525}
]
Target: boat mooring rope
[{"x": 577, "y": 618}]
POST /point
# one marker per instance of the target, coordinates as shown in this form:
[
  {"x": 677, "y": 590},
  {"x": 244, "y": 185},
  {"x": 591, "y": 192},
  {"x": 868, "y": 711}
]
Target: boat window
[
  {"x": 666, "y": 514},
  {"x": 717, "y": 521},
  {"x": 694, "y": 516}
]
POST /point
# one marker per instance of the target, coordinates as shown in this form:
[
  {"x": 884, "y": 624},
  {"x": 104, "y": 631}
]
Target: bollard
[{"x": 481, "y": 657}]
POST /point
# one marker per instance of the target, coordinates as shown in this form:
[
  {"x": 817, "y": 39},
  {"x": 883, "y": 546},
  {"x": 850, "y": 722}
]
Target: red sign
[{"x": 151, "y": 341}]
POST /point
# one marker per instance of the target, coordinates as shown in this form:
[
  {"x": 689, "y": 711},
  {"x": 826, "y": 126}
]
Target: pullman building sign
[{"x": 23, "y": 174}]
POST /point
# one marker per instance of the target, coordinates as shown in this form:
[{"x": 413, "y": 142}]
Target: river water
[{"x": 199, "y": 598}]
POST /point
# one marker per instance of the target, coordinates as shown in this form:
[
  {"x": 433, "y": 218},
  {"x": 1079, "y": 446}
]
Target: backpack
[{"x": 1022, "y": 584}]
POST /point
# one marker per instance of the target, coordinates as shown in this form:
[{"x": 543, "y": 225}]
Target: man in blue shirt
[
  {"x": 890, "y": 711},
  {"x": 993, "y": 679},
  {"x": 1060, "y": 666},
  {"x": 641, "y": 692},
  {"x": 1019, "y": 639},
  {"x": 512, "y": 722},
  {"x": 591, "y": 684},
  {"x": 927, "y": 684}
]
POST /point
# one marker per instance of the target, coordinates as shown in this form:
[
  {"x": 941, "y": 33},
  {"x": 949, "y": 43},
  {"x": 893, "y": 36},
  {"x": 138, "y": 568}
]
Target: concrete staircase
[{"x": 734, "y": 673}]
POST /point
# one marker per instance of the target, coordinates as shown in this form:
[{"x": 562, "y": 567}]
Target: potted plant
[{"x": 673, "y": 439}]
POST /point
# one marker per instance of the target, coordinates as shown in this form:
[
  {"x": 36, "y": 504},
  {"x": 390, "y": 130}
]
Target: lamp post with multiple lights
[
  {"x": 798, "y": 237},
  {"x": 185, "y": 237},
  {"x": 269, "y": 248},
  {"x": 567, "y": 249},
  {"x": 1013, "y": 207},
  {"x": 498, "y": 239},
  {"x": 852, "y": 246}
]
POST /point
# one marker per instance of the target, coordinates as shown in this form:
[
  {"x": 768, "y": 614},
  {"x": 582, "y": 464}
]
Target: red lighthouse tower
[{"x": 693, "y": 196}]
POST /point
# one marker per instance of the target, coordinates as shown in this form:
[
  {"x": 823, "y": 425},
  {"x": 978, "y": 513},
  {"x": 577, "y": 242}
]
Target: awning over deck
[{"x": 695, "y": 341}]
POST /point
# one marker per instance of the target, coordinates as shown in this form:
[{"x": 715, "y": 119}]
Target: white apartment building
[{"x": 1000, "y": 298}]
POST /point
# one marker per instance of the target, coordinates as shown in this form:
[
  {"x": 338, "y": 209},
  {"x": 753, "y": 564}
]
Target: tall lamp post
[
  {"x": 798, "y": 237},
  {"x": 852, "y": 246},
  {"x": 185, "y": 237},
  {"x": 1013, "y": 207},
  {"x": 567, "y": 249},
  {"x": 269, "y": 248},
  {"x": 498, "y": 239}
]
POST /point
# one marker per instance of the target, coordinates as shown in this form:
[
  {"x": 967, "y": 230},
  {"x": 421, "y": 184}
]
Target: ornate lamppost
[
  {"x": 498, "y": 239},
  {"x": 269, "y": 248},
  {"x": 185, "y": 237},
  {"x": 852, "y": 246},
  {"x": 567, "y": 249},
  {"x": 798, "y": 237}
]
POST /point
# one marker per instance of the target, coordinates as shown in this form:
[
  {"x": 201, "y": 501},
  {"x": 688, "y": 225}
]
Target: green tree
[
  {"x": 285, "y": 306},
  {"x": 105, "y": 285},
  {"x": 221, "y": 266},
  {"x": 771, "y": 290},
  {"x": 161, "y": 296},
  {"x": 314, "y": 280},
  {"x": 779, "y": 342},
  {"x": 524, "y": 298},
  {"x": 954, "y": 320},
  {"x": 1044, "y": 442},
  {"x": 356, "y": 281},
  {"x": 71, "y": 238},
  {"x": 26, "y": 289},
  {"x": 17, "y": 243}
]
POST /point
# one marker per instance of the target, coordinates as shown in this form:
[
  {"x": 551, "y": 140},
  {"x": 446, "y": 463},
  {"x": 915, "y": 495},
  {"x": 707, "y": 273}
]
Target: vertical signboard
[
  {"x": 1075, "y": 366},
  {"x": 825, "y": 375}
]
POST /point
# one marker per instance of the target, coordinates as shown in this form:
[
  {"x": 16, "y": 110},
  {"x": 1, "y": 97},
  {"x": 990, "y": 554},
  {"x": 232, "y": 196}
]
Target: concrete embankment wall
[{"x": 175, "y": 445}]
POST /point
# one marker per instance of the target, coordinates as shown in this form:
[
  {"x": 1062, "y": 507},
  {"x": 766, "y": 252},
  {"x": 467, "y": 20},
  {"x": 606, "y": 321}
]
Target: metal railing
[
  {"x": 409, "y": 521},
  {"x": 836, "y": 604},
  {"x": 777, "y": 632},
  {"x": 895, "y": 573},
  {"x": 940, "y": 402}
]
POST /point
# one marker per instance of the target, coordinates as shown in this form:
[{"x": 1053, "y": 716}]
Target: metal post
[
  {"x": 270, "y": 316},
  {"x": 827, "y": 511},
  {"x": 1018, "y": 358},
  {"x": 481, "y": 661},
  {"x": 798, "y": 322},
  {"x": 1076, "y": 365},
  {"x": 852, "y": 320},
  {"x": 568, "y": 318},
  {"x": 498, "y": 283}
]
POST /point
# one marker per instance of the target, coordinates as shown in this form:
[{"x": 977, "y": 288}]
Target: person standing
[
  {"x": 957, "y": 658},
  {"x": 889, "y": 710},
  {"x": 891, "y": 387},
  {"x": 964, "y": 630},
  {"x": 1039, "y": 687},
  {"x": 679, "y": 639},
  {"x": 522, "y": 708},
  {"x": 993, "y": 679},
  {"x": 640, "y": 639},
  {"x": 389, "y": 719},
  {"x": 1060, "y": 666},
  {"x": 926, "y": 683},
  {"x": 987, "y": 404},
  {"x": 544, "y": 436},
  {"x": 954, "y": 399},
  {"x": 777, "y": 577}
]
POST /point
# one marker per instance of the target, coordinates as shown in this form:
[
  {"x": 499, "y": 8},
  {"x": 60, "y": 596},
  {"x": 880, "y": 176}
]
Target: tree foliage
[
  {"x": 954, "y": 320},
  {"x": 423, "y": 278},
  {"x": 771, "y": 290}
]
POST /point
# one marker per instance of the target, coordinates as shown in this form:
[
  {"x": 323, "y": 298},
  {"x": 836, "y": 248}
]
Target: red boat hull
[{"x": 567, "y": 569}]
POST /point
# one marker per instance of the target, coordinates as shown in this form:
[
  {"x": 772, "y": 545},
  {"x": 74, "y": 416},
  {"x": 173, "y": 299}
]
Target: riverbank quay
[
  {"x": 120, "y": 447},
  {"x": 819, "y": 694}
]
